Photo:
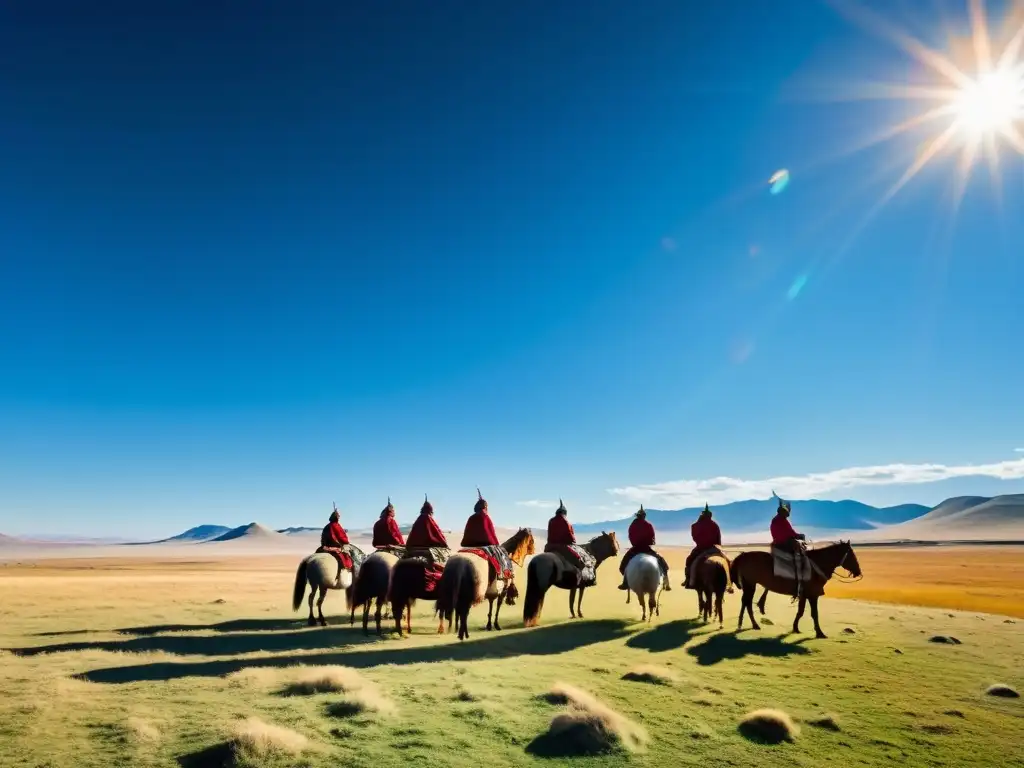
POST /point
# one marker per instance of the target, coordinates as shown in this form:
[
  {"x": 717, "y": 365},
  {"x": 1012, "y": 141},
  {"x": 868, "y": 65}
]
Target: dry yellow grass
[
  {"x": 588, "y": 727},
  {"x": 253, "y": 740},
  {"x": 332, "y": 679},
  {"x": 142, "y": 731}
]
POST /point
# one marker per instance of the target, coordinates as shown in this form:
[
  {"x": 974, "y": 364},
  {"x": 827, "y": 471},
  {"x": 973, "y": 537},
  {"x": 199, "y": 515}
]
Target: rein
[{"x": 851, "y": 579}]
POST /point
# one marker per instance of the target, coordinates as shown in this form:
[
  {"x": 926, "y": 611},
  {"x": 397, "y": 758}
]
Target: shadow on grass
[
  {"x": 225, "y": 643},
  {"x": 732, "y": 647},
  {"x": 665, "y": 637},
  {"x": 236, "y": 625},
  {"x": 540, "y": 641},
  {"x": 551, "y": 746},
  {"x": 217, "y": 756}
]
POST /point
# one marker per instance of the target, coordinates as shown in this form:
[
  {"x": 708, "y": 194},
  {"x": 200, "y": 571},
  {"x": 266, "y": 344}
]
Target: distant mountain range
[
  {"x": 755, "y": 515},
  {"x": 961, "y": 518}
]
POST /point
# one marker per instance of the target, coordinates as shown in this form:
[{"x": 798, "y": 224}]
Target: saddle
[
  {"x": 392, "y": 549},
  {"x": 784, "y": 565},
  {"x": 433, "y": 555},
  {"x": 575, "y": 558},
  {"x": 348, "y": 557}
]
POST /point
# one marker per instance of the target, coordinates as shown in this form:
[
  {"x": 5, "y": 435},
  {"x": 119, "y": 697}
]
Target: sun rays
[{"x": 974, "y": 100}]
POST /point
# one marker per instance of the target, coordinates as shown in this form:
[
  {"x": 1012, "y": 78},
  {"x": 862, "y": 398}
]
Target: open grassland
[{"x": 201, "y": 663}]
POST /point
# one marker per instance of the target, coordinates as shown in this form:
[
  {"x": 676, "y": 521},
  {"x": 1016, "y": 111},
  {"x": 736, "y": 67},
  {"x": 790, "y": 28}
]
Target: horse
[
  {"x": 409, "y": 583},
  {"x": 550, "y": 570},
  {"x": 320, "y": 571},
  {"x": 750, "y": 569},
  {"x": 373, "y": 582},
  {"x": 712, "y": 581},
  {"x": 468, "y": 579},
  {"x": 644, "y": 577}
]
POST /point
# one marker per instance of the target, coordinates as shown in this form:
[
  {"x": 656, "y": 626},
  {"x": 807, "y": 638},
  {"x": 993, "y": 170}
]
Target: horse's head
[
  {"x": 849, "y": 561},
  {"x": 520, "y": 546},
  {"x": 605, "y": 545}
]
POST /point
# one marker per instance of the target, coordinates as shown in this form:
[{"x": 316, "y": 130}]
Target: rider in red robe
[
  {"x": 560, "y": 532},
  {"x": 705, "y": 534},
  {"x": 785, "y": 538},
  {"x": 385, "y": 531},
  {"x": 426, "y": 533},
  {"x": 333, "y": 535},
  {"x": 641, "y": 540},
  {"x": 479, "y": 530}
]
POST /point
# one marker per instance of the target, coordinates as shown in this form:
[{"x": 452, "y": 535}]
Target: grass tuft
[
  {"x": 1002, "y": 691},
  {"x": 362, "y": 701},
  {"x": 653, "y": 675},
  {"x": 254, "y": 741},
  {"x": 589, "y": 727},
  {"x": 334, "y": 679},
  {"x": 827, "y": 722},
  {"x": 141, "y": 731},
  {"x": 769, "y": 726}
]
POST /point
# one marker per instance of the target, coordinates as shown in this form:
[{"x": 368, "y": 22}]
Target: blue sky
[{"x": 255, "y": 260}]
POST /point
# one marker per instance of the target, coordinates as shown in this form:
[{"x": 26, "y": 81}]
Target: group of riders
[{"x": 426, "y": 536}]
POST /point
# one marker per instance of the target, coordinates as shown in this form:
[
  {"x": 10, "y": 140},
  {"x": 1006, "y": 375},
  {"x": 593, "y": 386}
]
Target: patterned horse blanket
[
  {"x": 498, "y": 558},
  {"x": 435, "y": 558},
  {"x": 577, "y": 558},
  {"x": 348, "y": 556},
  {"x": 392, "y": 549}
]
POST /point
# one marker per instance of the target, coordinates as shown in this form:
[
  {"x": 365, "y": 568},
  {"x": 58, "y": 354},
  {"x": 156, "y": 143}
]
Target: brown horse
[
  {"x": 712, "y": 581},
  {"x": 752, "y": 568},
  {"x": 409, "y": 583},
  {"x": 550, "y": 570},
  {"x": 468, "y": 579},
  {"x": 373, "y": 583}
]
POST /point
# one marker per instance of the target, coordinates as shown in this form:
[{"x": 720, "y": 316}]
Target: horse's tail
[
  {"x": 405, "y": 577},
  {"x": 533, "y": 603},
  {"x": 300, "y": 585},
  {"x": 735, "y": 570},
  {"x": 372, "y": 580},
  {"x": 720, "y": 580},
  {"x": 457, "y": 588}
]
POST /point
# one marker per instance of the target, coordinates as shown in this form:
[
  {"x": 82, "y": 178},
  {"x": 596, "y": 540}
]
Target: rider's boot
[
  {"x": 668, "y": 584},
  {"x": 625, "y": 584}
]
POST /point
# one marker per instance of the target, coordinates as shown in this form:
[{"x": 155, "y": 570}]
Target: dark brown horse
[
  {"x": 550, "y": 570},
  {"x": 712, "y": 581},
  {"x": 410, "y": 581},
  {"x": 752, "y": 568}
]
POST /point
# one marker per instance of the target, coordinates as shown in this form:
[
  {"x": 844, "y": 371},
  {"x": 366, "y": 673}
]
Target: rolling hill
[
  {"x": 754, "y": 516},
  {"x": 964, "y": 518},
  {"x": 250, "y": 532},
  {"x": 199, "y": 533}
]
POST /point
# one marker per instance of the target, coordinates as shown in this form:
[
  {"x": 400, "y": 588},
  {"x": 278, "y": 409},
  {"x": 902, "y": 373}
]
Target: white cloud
[
  {"x": 1019, "y": 450},
  {"x": 721, "y": 490},
  {"x": 538, "y": 504}
]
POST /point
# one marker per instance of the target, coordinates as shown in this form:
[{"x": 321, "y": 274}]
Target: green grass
[{"x": 147, "y": 669}]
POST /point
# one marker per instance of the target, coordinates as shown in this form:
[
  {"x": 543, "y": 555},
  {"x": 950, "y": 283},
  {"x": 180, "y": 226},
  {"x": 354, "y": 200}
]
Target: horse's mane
[{"x": 522, "y": 539}]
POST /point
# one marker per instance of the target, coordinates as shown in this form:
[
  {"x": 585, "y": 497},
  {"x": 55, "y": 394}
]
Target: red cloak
[
  {"x": 782, "y": 530},
  {"x": 641, "y": 534},
  {"x": 386, "y": 533},
  {"x": 706, "y": 533},
  {"x": 426, "y": 533},
  {"x": 479, "y": 531},
  {"x": 560, "y": 532},
  {"x": 333, "y": 535}
]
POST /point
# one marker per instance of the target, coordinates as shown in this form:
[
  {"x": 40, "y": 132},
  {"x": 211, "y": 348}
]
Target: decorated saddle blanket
[
  {"x": 500, "y": 562},
  {"x": 701, "y": 557},
  {"x": 392, "y": 549},
  {"x": 433, "y": 555},
  {"x": 575, "y": 556},
  {"x": 348, "y": 556},
  {"x": 784, "y": 567}
]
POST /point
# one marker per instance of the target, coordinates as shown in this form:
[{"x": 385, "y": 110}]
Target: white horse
[
  {"x": 643, "y": 575},
  {"x": 320, "y": 571}
]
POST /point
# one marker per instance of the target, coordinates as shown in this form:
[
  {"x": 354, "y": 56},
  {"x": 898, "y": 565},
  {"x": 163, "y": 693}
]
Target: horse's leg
[
  {"x": 320, "y": 607},
  {"x": 312, "y": 597},
  {"x": 572, "y": 602},
  {"x": 799, "y": 614},
  {"x": 719, "y": 600},
  {"x": 366, "y": 617},
  {"x": 654, "y": 605},
  {"x": 748, "y": 604},
  {"x": 396, "y": 611},
  {"x": 490, "y": 610},
  {"x": 579, "y": 605},
  {"x": 643, "y": 607},
  {"x": 760, "y": 603},
  {"x": 408, "y": 618},
  {"x": 497, "y": 612},
  {"x": 377, "y": 615},
  {"x": 814, "y": 615}
]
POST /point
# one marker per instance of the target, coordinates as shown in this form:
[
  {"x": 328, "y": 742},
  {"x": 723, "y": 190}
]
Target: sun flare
[{"x": 992, "y": 104}]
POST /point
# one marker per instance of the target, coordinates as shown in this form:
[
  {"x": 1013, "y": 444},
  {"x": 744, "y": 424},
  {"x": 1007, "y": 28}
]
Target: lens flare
[{"x": 779, "y": 181}]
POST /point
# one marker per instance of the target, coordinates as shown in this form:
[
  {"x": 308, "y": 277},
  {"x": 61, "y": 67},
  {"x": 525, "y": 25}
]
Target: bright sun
[{"x": 991, "y": 104}]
